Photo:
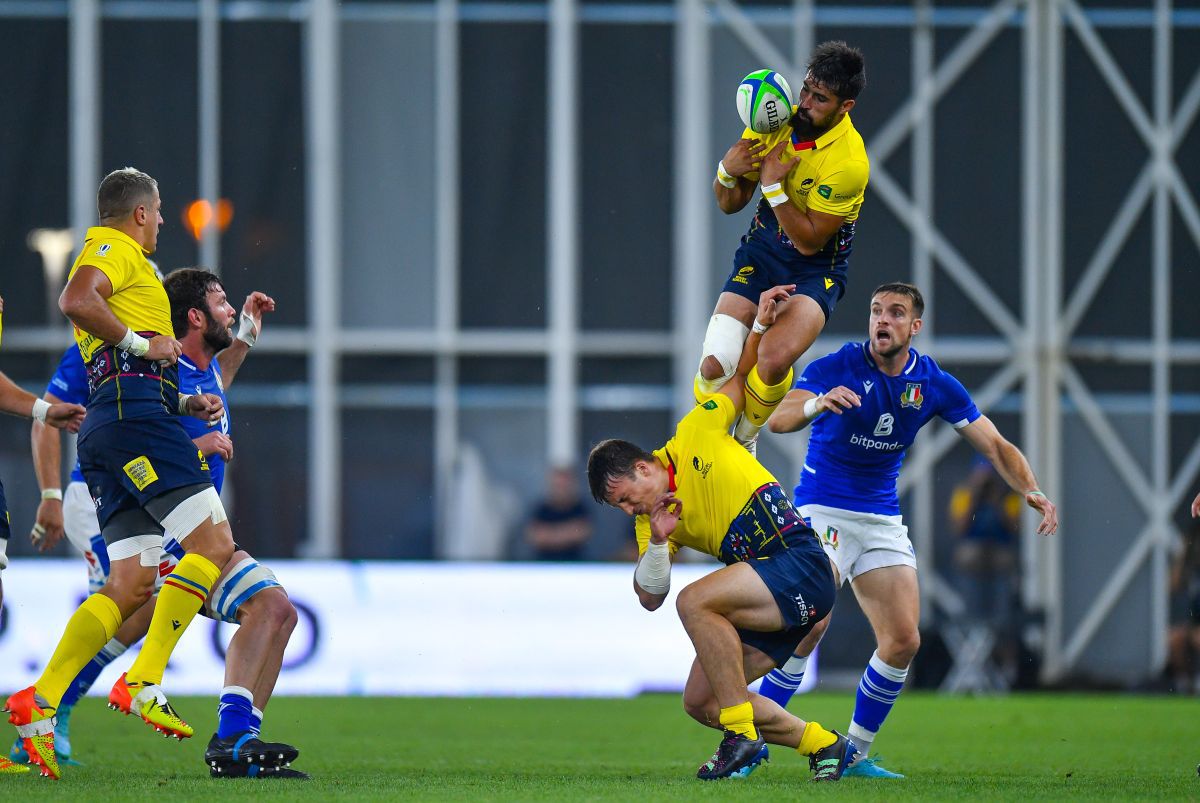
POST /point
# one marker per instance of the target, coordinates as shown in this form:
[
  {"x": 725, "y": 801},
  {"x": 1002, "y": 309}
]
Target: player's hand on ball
[
  {"x": 206, "y": 407},
  {"x": 1039, "y": 502},
  {"x": 66, "y": 416},
  {"x": 743, "y": 156},
  {"x": 839, "y": 399},
  {"x": 164, "y": 350},
  {"x": 664, "y": 516},
  {"x": 773, "y": 169}
]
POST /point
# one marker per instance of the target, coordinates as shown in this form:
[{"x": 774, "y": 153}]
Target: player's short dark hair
[
  {"x": 904, "y": 289},
  {"x": 839, "y": 68},
  {"x": 122, "y": 191},
  {"x": 187, "y": 289},
  {"x": 610, "y": 460}
]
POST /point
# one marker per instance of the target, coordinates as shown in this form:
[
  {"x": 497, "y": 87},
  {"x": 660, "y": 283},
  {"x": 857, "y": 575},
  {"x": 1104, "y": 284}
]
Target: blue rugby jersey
[
  {"x": 193, "y": 380},
  {"x": 70, "y": 384},
  {"x": 854, "y": 458}
]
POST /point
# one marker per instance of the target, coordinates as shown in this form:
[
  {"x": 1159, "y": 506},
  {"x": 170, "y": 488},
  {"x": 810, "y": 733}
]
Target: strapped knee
[
  {"x": 239, "y": 584},
  {"x": 723, "y": 342}
]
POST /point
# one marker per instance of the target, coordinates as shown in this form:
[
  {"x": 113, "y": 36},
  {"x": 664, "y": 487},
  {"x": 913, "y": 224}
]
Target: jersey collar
[
  {"x": 908, "y": 366},
  {"x": 825, "y": 139},
  {"x": 668, "y": 462},
  {"x": 104, "y": 232}
]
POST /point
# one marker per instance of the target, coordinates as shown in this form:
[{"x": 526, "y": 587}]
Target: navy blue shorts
[
  {"x": 801, "y": 581},
  {"x": 4, "y": 525},
  {"x": 758, "y": 267},
  {"x": 129, "y": 462}
]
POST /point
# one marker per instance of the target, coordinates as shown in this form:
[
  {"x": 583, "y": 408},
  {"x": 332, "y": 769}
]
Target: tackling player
[
  {"x": 16, "y": 401},
  {"x": 881, "y": 393},
  {"x": 145, "y": 475},
  {"x": 247, "y": 593},
  {"x": 813, "y": 173},
  {"x": 703, "y": 490}
]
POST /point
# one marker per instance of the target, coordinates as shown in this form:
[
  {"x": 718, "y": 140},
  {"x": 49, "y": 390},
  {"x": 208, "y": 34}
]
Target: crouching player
[
  {"x": 246, "y": 593},
  {"x": 703, "y": 490}
]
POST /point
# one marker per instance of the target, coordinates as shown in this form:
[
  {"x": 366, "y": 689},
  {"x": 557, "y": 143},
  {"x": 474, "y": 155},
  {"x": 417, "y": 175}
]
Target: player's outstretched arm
[
  {"x": 731, "y": 186},
  {"x": 18, "y": 401},
  {"x": 768, "y": 308},
  {"x": 801, "y": 407},
  {"x": 249, "y": 328},
  {"x": 1013, "y": 467},
  {"x": 46, "y": 445}
]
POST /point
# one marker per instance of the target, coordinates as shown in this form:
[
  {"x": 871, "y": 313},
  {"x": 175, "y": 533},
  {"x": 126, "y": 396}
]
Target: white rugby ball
[{"x": 764, "y": 101}]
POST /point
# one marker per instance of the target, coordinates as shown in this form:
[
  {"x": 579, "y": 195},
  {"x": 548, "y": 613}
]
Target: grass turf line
[{"x": 1047, "y": 747}]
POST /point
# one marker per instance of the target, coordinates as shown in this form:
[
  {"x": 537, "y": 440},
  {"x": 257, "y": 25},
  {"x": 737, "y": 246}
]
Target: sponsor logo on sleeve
[{"x": 825, "y": 191}]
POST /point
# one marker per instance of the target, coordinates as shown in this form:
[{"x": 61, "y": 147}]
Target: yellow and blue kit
[{"x": 735, "y": 510}]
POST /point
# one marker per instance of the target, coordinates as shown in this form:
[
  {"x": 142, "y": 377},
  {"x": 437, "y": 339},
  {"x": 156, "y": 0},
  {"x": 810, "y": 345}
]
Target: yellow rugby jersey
[
  {"x": 831, "y": 176},
  {"x": 712, "y": 474},
  {"x": 139, "y": 300}
]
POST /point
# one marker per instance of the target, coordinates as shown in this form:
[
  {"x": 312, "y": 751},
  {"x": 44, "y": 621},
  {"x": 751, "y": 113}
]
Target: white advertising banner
[{"x": 386, "y": 628}]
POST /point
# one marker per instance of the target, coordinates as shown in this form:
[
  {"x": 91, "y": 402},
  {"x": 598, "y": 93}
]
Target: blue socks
[
  {"x": 235, "y": 713},
  {"x": 781, "y": 683},
  {"x": 877, "y": 693},
  {"x": 91, "y": 670}
]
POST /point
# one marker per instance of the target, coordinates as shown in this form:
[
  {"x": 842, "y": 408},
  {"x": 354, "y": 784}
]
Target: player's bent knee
[
  {"x": 272, "y": 610},
  {"x": 702, "y": 709},
  {"x": 899, "y": 649},
  {"x": 722, "y": 349}
]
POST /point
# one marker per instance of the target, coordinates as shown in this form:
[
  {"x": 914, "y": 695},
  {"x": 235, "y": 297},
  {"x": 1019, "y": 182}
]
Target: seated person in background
[
  {"x": 559, "y": 527},
  {"x": 1183, "y": 637},
  {"x": 985, "y": 516}
]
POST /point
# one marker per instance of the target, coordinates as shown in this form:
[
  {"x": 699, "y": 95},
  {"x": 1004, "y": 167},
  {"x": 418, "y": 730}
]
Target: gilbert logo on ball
[{"x": 764, "y": 101}]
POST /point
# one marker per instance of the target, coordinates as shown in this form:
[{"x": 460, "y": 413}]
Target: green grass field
[{"x": 951, "y": 748}]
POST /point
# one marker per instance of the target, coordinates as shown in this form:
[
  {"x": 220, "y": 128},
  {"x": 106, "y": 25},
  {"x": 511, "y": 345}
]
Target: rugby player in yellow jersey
[
  {"x": 705, "y": 491},
  {"x": 144, "y": 473},
  {"x": 813, "y": 173},
  {"x": 16, "y": 401}
]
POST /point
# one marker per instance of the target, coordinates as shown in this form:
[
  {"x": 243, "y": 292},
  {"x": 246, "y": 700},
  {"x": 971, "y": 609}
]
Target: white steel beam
[
  {"x": 83, "y": 94},
  {"x": 323, "y": 191},
  {"x": 562, "y": 246},
  {"x": 209, "y": 139}
]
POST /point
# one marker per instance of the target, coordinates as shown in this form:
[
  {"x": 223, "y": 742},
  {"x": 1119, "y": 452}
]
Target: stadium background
[{"x": 489, "y": 229}]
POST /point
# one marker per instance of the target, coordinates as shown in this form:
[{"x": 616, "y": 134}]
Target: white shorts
[
  {"x": 859, "y": 542},
  {"x": 79, "y": 516}
]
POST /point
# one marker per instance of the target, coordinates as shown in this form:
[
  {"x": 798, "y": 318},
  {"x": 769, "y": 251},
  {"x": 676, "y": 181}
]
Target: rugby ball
[{"x": 764, "y": 101}]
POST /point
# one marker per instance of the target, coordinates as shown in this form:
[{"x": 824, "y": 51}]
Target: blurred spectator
[
  {"x": 559, "y": 527},
  {"x": 985, "y": 516},
  {"x": 1183, "y": 637}
]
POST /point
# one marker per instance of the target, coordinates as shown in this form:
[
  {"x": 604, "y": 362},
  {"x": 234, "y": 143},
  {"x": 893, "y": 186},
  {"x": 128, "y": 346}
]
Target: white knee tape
[
  {"x": 146, "y": 547},
  {"x": 723, "y": 341},
  {"x": 191, "y": 513},
  {"x": 239, "y": 584}
]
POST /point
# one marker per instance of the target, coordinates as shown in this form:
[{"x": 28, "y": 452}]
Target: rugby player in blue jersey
[
  {"x": 246, "y": 593},
  {"x": 866, "y": 403}
]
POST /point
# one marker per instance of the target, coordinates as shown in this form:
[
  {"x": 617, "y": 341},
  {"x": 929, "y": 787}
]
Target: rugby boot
[
  {"x": 737, "y": 756},
  {"x": 17, "y": 752},
  {"x": 151, "y": 705},
  {"x": 246, "y": 749},
  {"x": 869, "y": 767},
  {"x": 8, "y": 767},
  {"x": 830, "y": 762},
  {"x": 62, "y": 736},
  {"x": 34, "y": 719},
  {"x": 256, "y": 771}
]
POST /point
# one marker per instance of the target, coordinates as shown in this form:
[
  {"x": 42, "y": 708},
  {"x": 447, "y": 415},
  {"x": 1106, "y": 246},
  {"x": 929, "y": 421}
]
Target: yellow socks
[
  {"x": 88, "y": 630},
  {"x": 762, "y": 399},
  {"x": 182, "y": 594},
  {"x": 815, "y": 737},
  {"x": 740, "y": 719}
]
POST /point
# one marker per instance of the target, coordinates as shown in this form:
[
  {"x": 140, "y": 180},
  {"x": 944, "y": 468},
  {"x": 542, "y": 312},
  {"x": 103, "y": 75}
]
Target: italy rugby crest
[{"x": 911, "y": 397}]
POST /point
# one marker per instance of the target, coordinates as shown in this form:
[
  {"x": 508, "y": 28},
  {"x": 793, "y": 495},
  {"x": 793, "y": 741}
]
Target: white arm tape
[
  {"x": 134, "y": 343},
  {"x": 40, "y": 408},
  {"x": 247, "y": 332},
  {"x": 184, "y": 398},
  {"x": 760, "y": 328},
  {"x": 653, "y": 572},
  {"x": 810, "y": 407}
]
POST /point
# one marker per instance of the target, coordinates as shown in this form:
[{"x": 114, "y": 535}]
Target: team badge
[
  {"x": 911, "y": 397},
  {"x": 831, "y": 536}
]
